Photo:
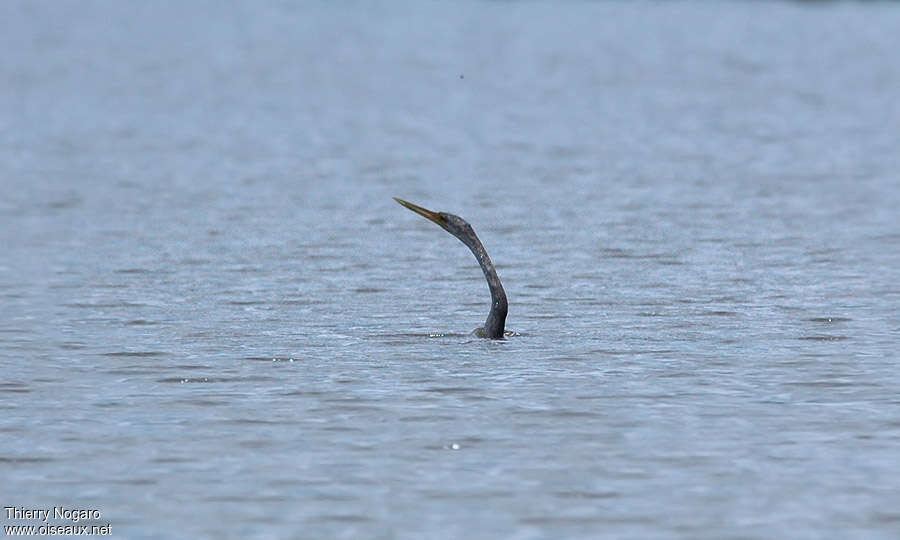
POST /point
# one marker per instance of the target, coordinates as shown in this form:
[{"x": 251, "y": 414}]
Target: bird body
[{"x": 460, "y": 228}]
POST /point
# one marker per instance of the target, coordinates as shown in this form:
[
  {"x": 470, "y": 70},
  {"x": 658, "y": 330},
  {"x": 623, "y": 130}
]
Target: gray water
[{"x": 217, "y": 323}]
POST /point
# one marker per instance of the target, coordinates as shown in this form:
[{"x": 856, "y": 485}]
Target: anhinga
[{"x": 460, "y": 228}]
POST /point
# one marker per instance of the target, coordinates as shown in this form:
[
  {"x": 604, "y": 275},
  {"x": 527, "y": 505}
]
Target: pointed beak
[{"x": 433, "y": 216}]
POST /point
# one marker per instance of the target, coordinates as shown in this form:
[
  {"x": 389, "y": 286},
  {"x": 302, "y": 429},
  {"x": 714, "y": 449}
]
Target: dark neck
[{"x": 496, "y": 319}]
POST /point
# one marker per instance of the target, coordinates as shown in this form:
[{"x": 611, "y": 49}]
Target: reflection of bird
[{"x": 460, "y": 228}]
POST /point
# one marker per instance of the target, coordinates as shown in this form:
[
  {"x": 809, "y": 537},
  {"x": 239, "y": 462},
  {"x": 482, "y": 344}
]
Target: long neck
[{"x": 496, "y": 319}]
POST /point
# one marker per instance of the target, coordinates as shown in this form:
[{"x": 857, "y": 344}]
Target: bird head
[{"x": 453, "y": 224}]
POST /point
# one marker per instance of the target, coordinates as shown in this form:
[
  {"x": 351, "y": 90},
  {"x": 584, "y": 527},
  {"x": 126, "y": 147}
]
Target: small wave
[
  {"x": 141, "y": 354},
  {"x": 823, "y": 338},
  {"x": 829, "y": 320}
]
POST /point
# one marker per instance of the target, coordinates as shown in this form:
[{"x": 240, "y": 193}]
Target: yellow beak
[{"x": 433, "y": 216}]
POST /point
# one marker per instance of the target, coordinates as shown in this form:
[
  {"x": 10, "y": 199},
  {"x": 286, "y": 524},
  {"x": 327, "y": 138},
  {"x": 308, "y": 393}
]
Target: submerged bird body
[{"x": 460, "y": 228}]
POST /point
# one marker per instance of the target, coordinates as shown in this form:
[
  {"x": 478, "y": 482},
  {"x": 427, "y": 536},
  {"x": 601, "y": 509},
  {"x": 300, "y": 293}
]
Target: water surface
[{"x": 216, "y": 320}]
